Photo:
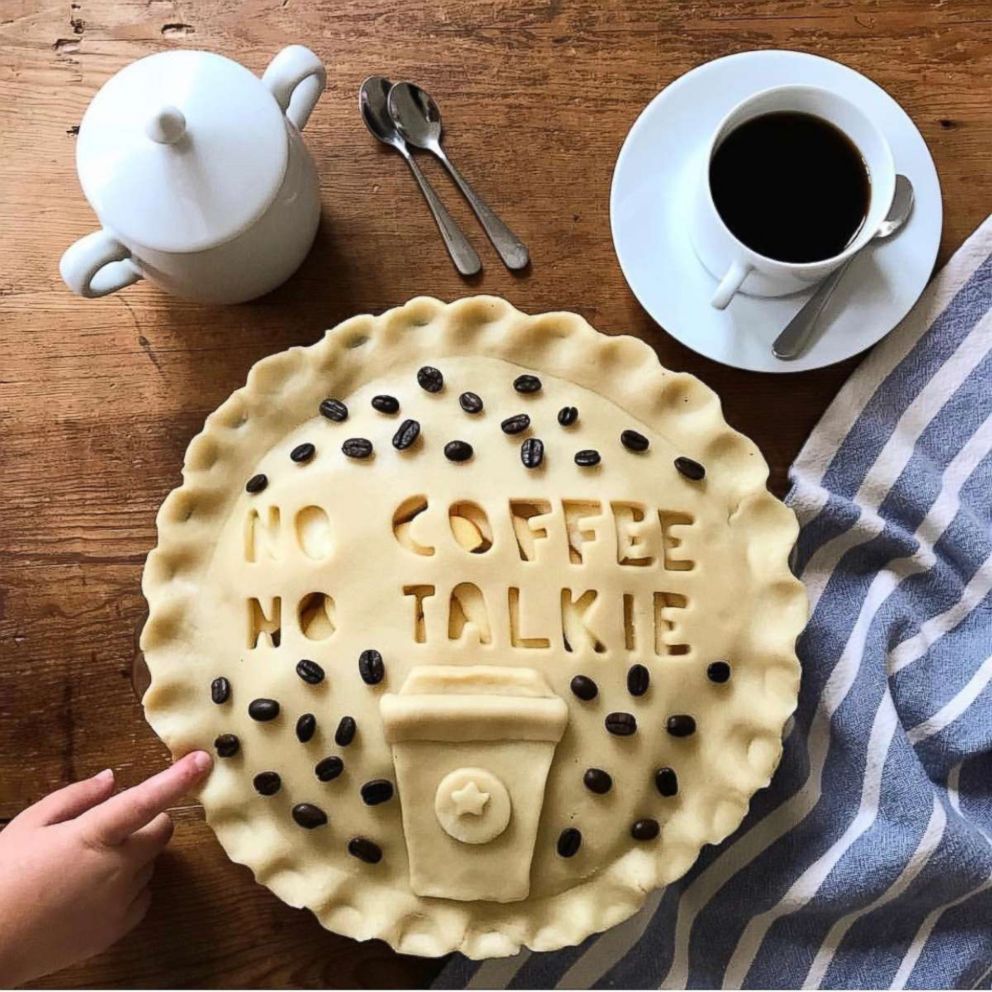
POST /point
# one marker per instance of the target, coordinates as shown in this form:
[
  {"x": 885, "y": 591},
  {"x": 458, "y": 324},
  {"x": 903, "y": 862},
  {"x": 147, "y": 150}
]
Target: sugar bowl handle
[
  {"x": 98, "y": 265},
  {"x": 297, "y": 78}
]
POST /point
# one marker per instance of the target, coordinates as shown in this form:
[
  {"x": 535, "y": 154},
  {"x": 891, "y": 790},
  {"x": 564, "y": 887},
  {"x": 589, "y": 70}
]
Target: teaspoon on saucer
[
  {"x": 799, "y": 333},
  {"x": 372, "y": 102},
  {"x": 418, "y": 119}
]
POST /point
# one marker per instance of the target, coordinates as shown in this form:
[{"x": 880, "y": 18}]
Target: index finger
[{"x": 113, "y": 821}]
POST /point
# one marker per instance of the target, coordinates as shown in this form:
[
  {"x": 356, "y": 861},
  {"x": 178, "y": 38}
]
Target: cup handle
[
  {"x": 730, "y": 283},
  {"x": 297, "y": 78},
  {"x": 98, "y": 265}
]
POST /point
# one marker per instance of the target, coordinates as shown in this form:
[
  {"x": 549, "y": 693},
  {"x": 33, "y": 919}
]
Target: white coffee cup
[{"x": 737, "y": 267}]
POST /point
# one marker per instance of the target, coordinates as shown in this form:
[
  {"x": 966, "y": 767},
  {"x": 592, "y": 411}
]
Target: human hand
[{"x": 75, "y": 867}]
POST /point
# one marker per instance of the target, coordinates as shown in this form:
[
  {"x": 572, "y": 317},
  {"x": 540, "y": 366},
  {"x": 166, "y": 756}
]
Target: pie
[{"x": 487, "y": 618}]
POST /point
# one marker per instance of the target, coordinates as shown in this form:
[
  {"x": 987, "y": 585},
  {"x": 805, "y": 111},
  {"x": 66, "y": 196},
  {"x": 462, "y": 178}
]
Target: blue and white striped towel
[{"x": 868, "y": 862}]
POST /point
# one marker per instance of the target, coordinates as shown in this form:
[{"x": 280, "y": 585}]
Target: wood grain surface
[{"x": 98, "y": 399}]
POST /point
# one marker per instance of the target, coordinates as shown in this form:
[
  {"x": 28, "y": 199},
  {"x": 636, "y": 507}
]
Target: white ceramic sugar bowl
[{"x": 197, "y": 172}]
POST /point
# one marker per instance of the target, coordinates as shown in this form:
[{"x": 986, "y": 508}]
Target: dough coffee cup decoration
[{"x": 472, "y": 747}]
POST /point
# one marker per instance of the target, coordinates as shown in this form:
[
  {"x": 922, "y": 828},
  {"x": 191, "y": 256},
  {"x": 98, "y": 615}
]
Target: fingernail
[
  {"x": 107, "y": 775},
  {"x": 201, "y": 761}
]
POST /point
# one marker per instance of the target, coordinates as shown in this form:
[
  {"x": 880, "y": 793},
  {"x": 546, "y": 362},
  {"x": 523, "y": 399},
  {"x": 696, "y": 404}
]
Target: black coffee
[{"x": 791, "y": 186}]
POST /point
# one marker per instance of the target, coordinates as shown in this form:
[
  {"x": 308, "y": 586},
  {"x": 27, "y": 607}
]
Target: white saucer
[{"x": 649, "y": 207}]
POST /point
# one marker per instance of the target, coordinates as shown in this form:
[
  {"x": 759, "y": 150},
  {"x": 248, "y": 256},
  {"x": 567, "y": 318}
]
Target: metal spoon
[
  {"x": 372, "y": 101},
  {"x": 418, "y": 119},
  {"x": 798, "y": 335}
]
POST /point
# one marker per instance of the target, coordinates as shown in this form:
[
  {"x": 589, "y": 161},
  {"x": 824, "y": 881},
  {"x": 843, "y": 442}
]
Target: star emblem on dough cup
[{"x": 470, "y": 800}]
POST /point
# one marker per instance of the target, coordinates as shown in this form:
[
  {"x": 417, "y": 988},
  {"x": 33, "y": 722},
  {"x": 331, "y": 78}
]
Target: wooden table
[{"x": 99, "y": 399}]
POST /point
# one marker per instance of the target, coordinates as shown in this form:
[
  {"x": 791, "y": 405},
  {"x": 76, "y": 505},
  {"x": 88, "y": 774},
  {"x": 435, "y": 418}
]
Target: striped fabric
[{"x": 868, "y": 863}]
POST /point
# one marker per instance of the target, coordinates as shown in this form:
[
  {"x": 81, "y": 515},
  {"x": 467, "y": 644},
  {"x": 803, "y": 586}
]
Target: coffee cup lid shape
[{"x": 475, "y": 703}]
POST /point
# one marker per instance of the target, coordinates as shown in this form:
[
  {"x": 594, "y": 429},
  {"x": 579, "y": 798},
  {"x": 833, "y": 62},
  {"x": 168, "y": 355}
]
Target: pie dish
[{"x": 488, "y": 619}]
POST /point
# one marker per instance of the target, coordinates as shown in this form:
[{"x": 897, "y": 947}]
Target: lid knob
[{"x": 167, "y": 126}]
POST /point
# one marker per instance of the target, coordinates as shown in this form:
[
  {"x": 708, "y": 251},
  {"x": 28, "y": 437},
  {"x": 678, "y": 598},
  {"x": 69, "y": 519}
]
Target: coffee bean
[
  {"x": 309, "y": 671},
  {"x": 516, "y": 424},
  {"x": 227, "y": 745},
  {"x": 666, "y": 781},
  {"x": 532, "y": 452},
  {"x": 680, "y": 725},
  {"x": 470, "y": 402},
  {"x": 458, "y": 451},
  {"x": 430, "y": 379},
  {"x": 220, "y": 690},
  {"x": 263, "y": 710},
  {"x": 357, "y": 447},
  {"x": 634, "y": 441},
  {"x": 621, "y": 724},
  {"x": 527, "y": 384},
  {"x": 365, "y": 850},
  {"x": 303, "y": 453},
  {"x": 379, "y": 790},
  {"x": 569, "y": 842},
  {"x": 638, "y": 680},
  {"x": 584, "y": 687},
  {"x": 306, "y": 726},
  {"x": 371, "y": 667},
  {"x": 646, "y": 829},
  {"x": 386, "y": 404},
  {"x": 718, "y": 671},
  {"x": 690, "y": 469},
  {"x": 256, "y": 483},
  {"x": 267, "y": 783},
  {"x": 598, "y": 781},
  {"x": 345, "y": 733},
  {"x": 408, "y": 433},
  {"x": 329, "y": 769},
  {"x": 309, "y": 816},
  {"x": 334, "y": 410},
  {"x": 567, "y": 416},
  {"x": 587, "y": 457}
]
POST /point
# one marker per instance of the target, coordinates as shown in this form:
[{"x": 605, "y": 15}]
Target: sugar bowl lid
[{"x": 181, "y": 151}]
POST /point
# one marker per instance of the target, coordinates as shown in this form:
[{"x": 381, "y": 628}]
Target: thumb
[{"x": 71, "y": 801}]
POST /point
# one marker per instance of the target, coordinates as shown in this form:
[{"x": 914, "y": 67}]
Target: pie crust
[{"x": 452, "y": 633}]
